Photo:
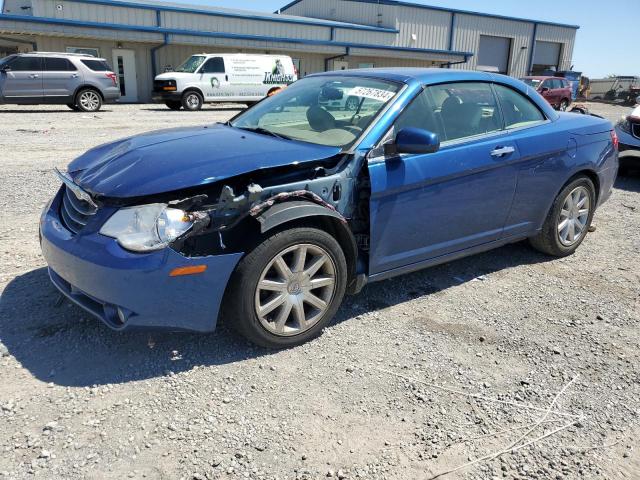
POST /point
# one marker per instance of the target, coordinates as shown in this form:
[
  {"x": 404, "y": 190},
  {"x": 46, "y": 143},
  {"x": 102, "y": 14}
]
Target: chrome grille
[{"x": 75, "y": 213}]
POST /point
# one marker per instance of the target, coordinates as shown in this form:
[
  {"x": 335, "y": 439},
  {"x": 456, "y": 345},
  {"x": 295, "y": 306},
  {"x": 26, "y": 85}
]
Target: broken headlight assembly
[{"x": 147, "y": 227}]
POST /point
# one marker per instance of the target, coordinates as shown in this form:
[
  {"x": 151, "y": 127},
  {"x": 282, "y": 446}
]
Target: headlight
[{"x": 147, "y": 227}]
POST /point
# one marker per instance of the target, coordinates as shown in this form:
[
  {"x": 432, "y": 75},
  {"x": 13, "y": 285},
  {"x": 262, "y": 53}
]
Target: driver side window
[
  {"x": 213, "y": 65},
  {"x": 454, "y": 111}
]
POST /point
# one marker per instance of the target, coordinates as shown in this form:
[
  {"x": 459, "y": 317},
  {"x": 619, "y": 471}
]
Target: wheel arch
[
  {"x": 192, "y": 89},
  {"x": 87, "y": 86},
  {"x": 297, "y": 213}
]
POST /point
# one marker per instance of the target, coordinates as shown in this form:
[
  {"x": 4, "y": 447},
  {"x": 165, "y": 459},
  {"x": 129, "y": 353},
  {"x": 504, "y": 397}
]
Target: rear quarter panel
[{"x": 551, "y": 154}]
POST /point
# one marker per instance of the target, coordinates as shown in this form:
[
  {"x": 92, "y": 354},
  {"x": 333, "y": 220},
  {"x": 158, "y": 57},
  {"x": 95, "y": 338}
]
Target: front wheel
[
  {"x": 287, "y": 289},
  {"x": 192, "y": 100},
  {"x": 564, "y": 104},
  {"x": 568, "y": 220}
]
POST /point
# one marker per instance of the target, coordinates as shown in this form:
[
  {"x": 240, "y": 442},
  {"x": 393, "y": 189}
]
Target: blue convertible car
[{"x": 267, "y": 221}]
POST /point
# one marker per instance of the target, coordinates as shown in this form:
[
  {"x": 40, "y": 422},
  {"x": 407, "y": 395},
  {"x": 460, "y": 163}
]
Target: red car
[{"x": 556, "y": 90}]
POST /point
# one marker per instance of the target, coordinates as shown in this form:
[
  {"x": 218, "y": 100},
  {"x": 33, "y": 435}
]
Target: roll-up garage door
[
  {"x": 494, "y": 53},
  {"x": 546, "y": 56}
]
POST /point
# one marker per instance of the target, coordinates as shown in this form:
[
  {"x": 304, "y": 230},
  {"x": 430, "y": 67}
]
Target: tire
[
  {"x": 192, "y": 100},
  {"x": 260, "y": 266},
  {"x": 564, "y": 104},
  {"x": 88, "y": 100},
  {"x": 550, "y": 239},
  {"x": 73, "y": 107},
  {"x": 352, "y": 103},
  {"x": 173, "y": 104}
]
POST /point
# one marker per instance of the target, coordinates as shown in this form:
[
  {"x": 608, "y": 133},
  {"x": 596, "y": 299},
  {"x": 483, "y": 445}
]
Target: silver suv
[{"x": 81, "y": 82}]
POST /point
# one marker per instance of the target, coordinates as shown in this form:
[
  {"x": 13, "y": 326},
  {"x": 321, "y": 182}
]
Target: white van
[{"x": 244, "y": 78}]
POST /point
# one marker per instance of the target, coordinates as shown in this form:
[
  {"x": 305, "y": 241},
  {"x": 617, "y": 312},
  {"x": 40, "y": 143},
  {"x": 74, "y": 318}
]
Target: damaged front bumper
[{"x": 128, "y": 290}]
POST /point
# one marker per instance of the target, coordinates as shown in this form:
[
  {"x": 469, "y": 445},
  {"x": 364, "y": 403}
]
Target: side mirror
[
  {"x": 413, "y": 140},
  {"x": 544, "y": 89},
  {"x": 5, "y": 69}
]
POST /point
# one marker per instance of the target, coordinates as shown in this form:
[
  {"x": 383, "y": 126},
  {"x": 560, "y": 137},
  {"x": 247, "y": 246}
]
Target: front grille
[
  {"x": 75, "y": 213},
  {"x": 159, "y": 85},
  {"x": 635, "y": 128}
]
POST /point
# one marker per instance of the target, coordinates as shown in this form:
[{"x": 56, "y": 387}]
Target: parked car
[
  {"x": 245, "y": 78},
  {"x": 82, "y": 82},
  {"x": 267, "y": 220},
  {"x": 628, "y": 130},
  {"x": 557, "y": 91}
]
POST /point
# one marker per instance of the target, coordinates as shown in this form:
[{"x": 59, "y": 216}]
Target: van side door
[
  {"x": 214, "y": 80},
  {"x": 60, "y": 79},
  {"x": 22, "y": 80}
]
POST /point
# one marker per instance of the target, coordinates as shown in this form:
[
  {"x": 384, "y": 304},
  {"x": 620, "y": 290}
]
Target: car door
[
  {"x": 22, "y": 80},
  {"x": 60, "y": 79},
  {"x": 424, "y": 206},
  {"x": 214, "y": 80}
]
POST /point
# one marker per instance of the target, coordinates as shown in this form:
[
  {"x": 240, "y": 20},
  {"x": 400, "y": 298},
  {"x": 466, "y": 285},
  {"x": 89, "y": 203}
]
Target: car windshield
[
  {"x": 325, "y": 110},
  {"x": 532, "y": 82},
  {"x": 191, "y": 64}
]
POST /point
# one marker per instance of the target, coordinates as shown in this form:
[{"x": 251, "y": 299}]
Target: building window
[
  {"x": 366, "y": 65},
  {"x": 84, "y": 50}
]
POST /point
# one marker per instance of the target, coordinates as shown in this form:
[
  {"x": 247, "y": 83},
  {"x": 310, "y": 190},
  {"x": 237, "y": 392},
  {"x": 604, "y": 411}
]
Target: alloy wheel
[
  {"x": 89, "y": 100},
  {"x": 573, "y": 217},
  {"x": 295, "y": 289}
]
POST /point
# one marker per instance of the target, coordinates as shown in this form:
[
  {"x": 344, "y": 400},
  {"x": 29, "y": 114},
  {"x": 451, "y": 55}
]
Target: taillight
[
  {"x": 113, "y": 78},
  {"x": 614, "y": 139}
]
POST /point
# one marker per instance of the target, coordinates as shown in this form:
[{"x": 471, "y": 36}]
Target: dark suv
[
  {"x": 81, "y": 82},
  {"x": 555, "y": 90}
]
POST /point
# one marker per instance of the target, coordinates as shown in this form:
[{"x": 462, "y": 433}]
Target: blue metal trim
[
  {"x": 158, "y": 18},
  {"x": 247, "y": 16},
  {"x": 235, "y": 36},
  {"x": 396, "y": 3},
  {"x": 154, "y": 62},
  {"x": 452, "y": 29},
  {"x": 533, "y": 48}
]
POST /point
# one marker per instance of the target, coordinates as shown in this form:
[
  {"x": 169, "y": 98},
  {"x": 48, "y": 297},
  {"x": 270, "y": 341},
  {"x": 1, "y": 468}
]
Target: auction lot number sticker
[{"x": 373, "y": 93}]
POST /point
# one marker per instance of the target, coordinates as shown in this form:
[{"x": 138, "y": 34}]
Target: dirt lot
[{"x": 384, "y": 393}]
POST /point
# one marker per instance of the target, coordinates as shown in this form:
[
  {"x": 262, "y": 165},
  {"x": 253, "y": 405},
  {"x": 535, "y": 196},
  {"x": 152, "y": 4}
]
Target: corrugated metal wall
[
  {"x": 93, "y": 12},
  {"x": 209, "y": 23},
  {"x": 566, "y": 36},
  {"x": 470, "y": 27},
  {"x": 432, "y": 28}
]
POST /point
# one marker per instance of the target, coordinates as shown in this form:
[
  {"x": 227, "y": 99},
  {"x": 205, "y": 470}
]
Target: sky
[{"x": 606, "y": 44}]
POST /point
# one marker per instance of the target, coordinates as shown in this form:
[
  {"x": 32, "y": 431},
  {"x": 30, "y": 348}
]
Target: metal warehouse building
[{"x": 141, "y": 38}]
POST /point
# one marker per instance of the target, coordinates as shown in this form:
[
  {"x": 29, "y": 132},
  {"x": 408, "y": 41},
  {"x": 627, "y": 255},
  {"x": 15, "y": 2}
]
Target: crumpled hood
[{"x": 168, "y": 160}]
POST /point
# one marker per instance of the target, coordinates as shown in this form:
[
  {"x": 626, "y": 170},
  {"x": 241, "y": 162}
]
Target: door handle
[
  {"x": 75, "y": 75},
  {"x": 33, "y": 75},
  {"x": 226, "y": 77},
  {"x": 502, "y": 151}
]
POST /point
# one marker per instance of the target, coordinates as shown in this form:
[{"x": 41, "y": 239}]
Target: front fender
[{"x": 294, "y": 210}]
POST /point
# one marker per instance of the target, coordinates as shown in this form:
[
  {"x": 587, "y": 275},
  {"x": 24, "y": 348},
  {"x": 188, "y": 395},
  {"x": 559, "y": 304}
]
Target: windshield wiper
[{"x": 263, "y": 131}]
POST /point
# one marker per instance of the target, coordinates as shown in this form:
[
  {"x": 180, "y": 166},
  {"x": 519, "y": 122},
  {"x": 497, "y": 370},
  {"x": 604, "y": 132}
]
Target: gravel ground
[{"x": 384, "y": 393}]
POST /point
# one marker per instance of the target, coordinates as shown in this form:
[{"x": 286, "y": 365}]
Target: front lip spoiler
[{"x": 77, "y": 191}]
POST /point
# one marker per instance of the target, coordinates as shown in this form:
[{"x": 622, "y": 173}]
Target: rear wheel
[
  {"x": 287, "y": 289},
  {"x": 568, "y": 220},
  {"x": 88, "y": 100},
  {"x": 192, "y": 100},
  {"x": 173, "y": 104},
  {"x": 564, "y": 104}
]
